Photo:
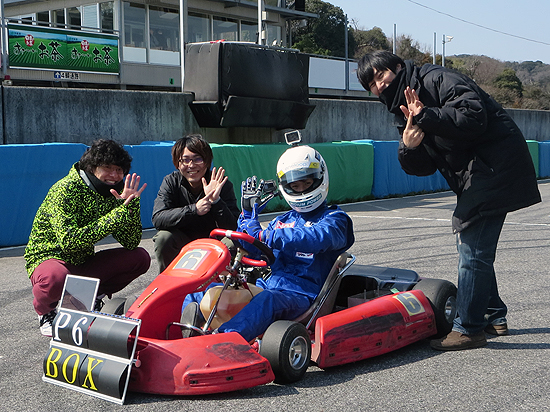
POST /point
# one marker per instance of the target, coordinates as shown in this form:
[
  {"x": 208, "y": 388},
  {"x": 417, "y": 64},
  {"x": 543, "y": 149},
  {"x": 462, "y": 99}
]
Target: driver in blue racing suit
[{"x": 306, "y": 242}]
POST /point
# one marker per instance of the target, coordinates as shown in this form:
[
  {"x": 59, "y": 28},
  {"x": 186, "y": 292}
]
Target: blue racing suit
[{"x": 305, "y": 246}]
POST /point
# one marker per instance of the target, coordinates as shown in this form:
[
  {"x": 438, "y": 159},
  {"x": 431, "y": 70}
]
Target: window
[
  {"x": 134, "y": 24},
  {"x": 273, "y": 35},
  {"x": 163, "y": 28},
  {"x": 249, "y": 31},
  {"x": 27, "y": 19},
  {"x": 58, "y": 18},
  {"x": 73, "y": 18},
  {"x": 106, "y": 17},
  {"x": 198, "y": 28},
  {"x": 275, "y": 3},
  {"x": 225, "y": 29},
  {"x": 43, "y": 18}
]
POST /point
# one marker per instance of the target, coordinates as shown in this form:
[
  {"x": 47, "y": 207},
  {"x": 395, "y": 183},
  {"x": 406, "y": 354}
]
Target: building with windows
[{"x": 140, "y": 38}]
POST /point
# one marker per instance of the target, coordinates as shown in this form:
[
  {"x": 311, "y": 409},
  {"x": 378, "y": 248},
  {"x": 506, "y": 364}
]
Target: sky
[{"x": 507, "y": 30}]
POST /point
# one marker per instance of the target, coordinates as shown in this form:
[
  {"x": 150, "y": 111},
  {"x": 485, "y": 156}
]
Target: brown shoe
[
  {"x": 459, "y": 341},
  {"x": 499, "y": 330}
]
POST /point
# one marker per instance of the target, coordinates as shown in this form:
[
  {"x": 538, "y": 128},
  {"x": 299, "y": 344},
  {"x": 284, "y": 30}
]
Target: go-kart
[{"x": 361, "y": 312}]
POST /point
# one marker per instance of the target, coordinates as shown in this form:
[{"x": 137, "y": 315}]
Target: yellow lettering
[
  {"x": 89, "y": 369},
  {"x": 51, "y": 362},
  {"x": 75, "y": 368}
]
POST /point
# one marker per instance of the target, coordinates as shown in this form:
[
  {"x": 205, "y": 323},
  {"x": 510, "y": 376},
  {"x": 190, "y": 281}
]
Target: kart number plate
[{"x": 410, "y": 302}]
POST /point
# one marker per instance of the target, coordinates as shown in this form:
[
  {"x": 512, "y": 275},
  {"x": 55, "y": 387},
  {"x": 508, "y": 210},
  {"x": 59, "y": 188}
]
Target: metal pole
[
  {"x": 4, "y": 40},
  {"x": 183, "y": 37},
  {"x": 443, "y": 53},
  {"x": 435, "y": 49},
  {"x": 394, "y": 39},
  {"x": 260, "y": 22},
  {"x": 346, "y": 54}
]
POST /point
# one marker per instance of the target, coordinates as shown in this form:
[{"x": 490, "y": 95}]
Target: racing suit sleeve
[{"x": 333, "y": 232}]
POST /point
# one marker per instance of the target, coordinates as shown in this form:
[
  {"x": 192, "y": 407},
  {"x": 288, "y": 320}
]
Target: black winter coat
[
  {"x": 175, "y": 207},
  {"x": 469, "y": 138}
]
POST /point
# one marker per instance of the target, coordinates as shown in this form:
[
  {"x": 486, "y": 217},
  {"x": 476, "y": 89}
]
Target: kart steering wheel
[{"x": 266, "y": 250}]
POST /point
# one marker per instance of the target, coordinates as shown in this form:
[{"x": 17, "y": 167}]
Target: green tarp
[{"x": 346, "y": 161}]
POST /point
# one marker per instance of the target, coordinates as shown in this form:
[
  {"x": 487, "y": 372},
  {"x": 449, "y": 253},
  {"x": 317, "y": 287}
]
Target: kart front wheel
[
  {"x": 118, "y": 306},
  {"x": 287, "y": 347},
  {"x": 442, "y": 296}
]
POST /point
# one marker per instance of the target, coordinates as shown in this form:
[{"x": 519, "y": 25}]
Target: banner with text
[{"x": 55, "y": 49}]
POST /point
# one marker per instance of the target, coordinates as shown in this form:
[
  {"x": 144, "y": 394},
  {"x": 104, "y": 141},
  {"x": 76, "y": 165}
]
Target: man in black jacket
[
  {"x": 192, "y": 200},
  {"x": 448, "y": 123}
]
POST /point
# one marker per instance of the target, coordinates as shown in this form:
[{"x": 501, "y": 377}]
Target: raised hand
[{"x": 131, "y": 188}]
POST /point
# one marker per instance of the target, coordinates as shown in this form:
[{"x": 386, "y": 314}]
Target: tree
[
  {"x": 509, "y": 81},
  {"x": 326, "y": 34},
  {"x": 409, "y": 49},
  {"x": 368, "y": 41}
]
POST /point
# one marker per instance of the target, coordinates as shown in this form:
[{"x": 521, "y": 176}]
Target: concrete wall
[
  {"x": 45, "y": 115},
  {"x": 535, "y": 124}
]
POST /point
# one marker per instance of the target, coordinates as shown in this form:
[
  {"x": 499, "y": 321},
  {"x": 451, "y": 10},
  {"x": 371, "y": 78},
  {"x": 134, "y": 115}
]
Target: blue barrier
[
  {"x": 26, "y": 174},
  {"x": 151, "y": 162},
  {"x": 28, "y": 171},
  {"x": 544, "y": 159},
  {"x": 390, "y": 179}
]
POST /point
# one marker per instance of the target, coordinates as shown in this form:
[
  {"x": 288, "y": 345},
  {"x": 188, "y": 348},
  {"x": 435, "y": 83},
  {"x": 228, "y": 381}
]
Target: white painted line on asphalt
[
  {"x": 440, "y": 220},
  {"x": 401, "y": 218}
]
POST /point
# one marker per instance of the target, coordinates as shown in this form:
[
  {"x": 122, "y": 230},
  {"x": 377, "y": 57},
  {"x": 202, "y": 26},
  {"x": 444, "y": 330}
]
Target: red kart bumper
[
  {"x": 198, "y": 365},
  {"x": 372, "y": 328}
]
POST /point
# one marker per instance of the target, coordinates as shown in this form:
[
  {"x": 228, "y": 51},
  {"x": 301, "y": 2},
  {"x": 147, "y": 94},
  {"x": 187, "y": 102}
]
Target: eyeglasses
[{"x": 186, "y": 161}]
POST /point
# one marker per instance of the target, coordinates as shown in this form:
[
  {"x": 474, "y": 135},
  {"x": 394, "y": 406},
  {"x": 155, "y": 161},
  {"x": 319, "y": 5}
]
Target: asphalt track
[{"x": 510, "y": 374}]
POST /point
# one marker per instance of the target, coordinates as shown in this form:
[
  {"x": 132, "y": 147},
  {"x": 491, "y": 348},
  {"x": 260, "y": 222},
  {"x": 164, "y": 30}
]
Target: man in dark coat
[
  {"x": 192, "y": 200},
  {"x": 448, "y": 123}
]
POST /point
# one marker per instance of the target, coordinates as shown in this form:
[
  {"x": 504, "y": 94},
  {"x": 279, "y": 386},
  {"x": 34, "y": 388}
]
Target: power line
[{"x": 479, "y": 25}]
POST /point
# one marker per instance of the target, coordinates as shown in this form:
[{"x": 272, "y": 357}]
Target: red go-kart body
[{"x": 169, "y": 364}]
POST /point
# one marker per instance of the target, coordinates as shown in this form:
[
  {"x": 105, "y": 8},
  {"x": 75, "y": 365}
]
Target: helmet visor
[{"x": 301, "y": 174}]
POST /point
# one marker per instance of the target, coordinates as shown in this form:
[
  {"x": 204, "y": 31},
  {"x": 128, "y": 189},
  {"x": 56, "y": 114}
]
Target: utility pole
[
  {"x": 262, "y": 35},
  {"x": 435, "y": 49},
  {"x": 446, "y": 39},
  {"x": 346, "y": 54},
  {"x": 183, "y": 38},
  {"x": 394, "y": 39}
]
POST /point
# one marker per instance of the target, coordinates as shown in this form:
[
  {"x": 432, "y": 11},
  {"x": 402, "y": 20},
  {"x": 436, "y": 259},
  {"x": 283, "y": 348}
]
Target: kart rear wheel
[
  {"x": 442, "y": 296},
  {"x": 287, "y": 347}
]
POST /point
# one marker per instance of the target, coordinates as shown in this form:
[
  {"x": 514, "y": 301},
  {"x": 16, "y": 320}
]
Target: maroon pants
[{"x": 115, "y": 268}]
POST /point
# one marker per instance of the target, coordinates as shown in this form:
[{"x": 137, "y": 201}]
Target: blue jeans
[{"x": 478, "y": 302}]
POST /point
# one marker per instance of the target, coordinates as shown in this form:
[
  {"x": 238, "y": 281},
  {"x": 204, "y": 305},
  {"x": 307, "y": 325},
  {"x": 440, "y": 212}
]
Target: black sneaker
[
  {"x": 46, "y": 323},
  {"x": 190, "y": 316},
  {"x": 98, "y": 305}
]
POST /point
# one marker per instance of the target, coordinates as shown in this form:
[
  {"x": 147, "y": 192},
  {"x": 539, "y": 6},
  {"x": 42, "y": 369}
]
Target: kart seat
[{"x": 324, "y": 302}]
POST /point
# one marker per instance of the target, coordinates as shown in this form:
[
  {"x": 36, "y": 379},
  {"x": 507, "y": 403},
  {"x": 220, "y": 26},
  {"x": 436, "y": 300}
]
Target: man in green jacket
[{"x": 93, "y": 201}]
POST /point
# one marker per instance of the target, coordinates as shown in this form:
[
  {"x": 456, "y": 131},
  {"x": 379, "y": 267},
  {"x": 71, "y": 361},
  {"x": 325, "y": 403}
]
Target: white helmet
[{"x": 298, "y": 163}]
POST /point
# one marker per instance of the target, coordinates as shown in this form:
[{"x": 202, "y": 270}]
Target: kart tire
[
  {"x": 114, "y": 306},
  {"x": 442, "y": 296},
  {"x": 118, "y": 306},
  {"x": 287, "y": 347},
  {"x": 128, "y": 303}
]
